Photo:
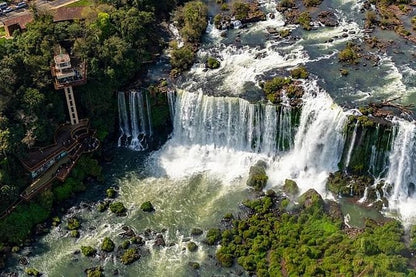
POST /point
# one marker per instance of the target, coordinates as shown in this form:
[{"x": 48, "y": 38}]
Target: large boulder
[
  {"x": 311, "y": 199},
  {"x": 257, "y": 176},
  {"x": 290, "y": 187},
  {"x": 328, "y": 18}
]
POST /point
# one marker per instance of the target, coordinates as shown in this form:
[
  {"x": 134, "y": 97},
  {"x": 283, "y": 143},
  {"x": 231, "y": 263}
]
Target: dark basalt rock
[{"x": 159, "y": 240}]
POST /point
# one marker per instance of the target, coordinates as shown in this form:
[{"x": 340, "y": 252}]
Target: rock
[
  {"x": 311, "y": 199},
  {"x": 194, "y": 265},
  {"x": 272, "y": 30},
  {"x": 23, "y": 261},
  {"x": 192, "y": 247},
  {"x": 290, "y": 187},
  {"x": 137, "y": 240},
  {"x": 115, "y": 272},
  {"x": 328, "y": 18},
  {"x": 334, "y": 210},
  {"x": 196, "y": 232},
  {"x": 257, "y": 176},
  {"x": 159, "y": 240},
  {"x": 77, "y": 252},
  {"x": 128, "y": 232},
  {"x": 102, "y": 206},
  {"x": 344, "y": 35}
]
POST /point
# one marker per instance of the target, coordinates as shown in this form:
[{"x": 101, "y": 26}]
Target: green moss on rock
[
  {"x": 111, "y": 193},
  {"x": 118, "y": 208},
  {"x": 74, "y": 233},
  {"x": 290, "y": 187},
  {"x": 192, "y": 246},
  {"x": 73, "y": 223},
  {"x": 107, "y": 245},
  {"x": 88, "y": 251},
  {"x": 257, "y": 176},
  {"x": 32, "y": 271},
  {"x": 147, "y": 207},
  {"x": 129, "y": 256},
  {"x": 213, "y": 63},
  {"x": 196, "y": 232}
]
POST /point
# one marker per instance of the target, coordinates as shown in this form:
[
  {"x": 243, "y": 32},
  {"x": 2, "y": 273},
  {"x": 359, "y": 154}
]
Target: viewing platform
[
  {"x": 68, "y": 72},
  {"x": 57, "y": 160}
]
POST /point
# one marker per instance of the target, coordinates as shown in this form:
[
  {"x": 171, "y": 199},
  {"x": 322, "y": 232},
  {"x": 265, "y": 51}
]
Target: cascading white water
[
  {"x": 134, "y": 120},
  {"x": 352, "y": 143},
  {"x": 149, "y": 116},
  {"x": 402, "y": 160},
  {"x": 318, "y": 144},
  {"x": 171, "y": 102},
  {"x": 402, "y": 170},
  {"x": 123, "y": 118},
  {"x": 233, "y": 123}
]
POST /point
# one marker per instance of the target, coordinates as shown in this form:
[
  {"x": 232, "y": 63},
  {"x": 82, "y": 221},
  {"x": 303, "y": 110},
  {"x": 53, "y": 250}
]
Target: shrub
[
  {"x": 182, "y": 58},
  {"x": 312, "y": 3},
  {"x": 107, "y": 245},
  {"x": 299, "y": 73},
  {"x": 111, "y": 193},
  {"x": 32, "y": 271},
  {"x": 88, "y": 251},
  {"x": 125, "y": 244},
  {"x": 118, "y": 208},
  {"x": 275, "y": 84},
  {"x": 73, "y": 223},
  {"x": 74, "y": 233},
  {"x": 348, "y": 54},
  {"x": 213, "y": 63},
  {"x": 95, "y": 272},
  {"x": 213, "y": 236},
  {"x": 147, "y": 207},
  {"x": 304, "y": 20},
  {"x": 129, "y": 256},
  {"x": 241, "y": 10}
]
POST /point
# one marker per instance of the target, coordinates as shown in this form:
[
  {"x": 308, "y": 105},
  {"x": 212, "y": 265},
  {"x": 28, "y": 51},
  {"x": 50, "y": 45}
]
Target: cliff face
[{"x": 368, "y": 141}]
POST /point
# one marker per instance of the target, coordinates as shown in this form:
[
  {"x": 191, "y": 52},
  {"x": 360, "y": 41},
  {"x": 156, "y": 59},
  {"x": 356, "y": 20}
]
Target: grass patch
[
  {"x": 81, "y": 3},
  {"x": 2, "y": 32}
]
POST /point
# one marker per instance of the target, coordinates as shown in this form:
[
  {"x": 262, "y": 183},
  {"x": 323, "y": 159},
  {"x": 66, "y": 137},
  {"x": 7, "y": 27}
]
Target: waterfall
[
  {"x": 123, "y": 118},
  {"x": 318, "y": 145},
  {"x": 171, "y": 102},
  {"x": 354, "y": 136},
  {"x": 233, "y": 123},
  {"x": 134, "y": 120},
  {"x": 402, "y": 160},
  {"x": 402, "y": 171},
  {"x": 149, "y": 115}
]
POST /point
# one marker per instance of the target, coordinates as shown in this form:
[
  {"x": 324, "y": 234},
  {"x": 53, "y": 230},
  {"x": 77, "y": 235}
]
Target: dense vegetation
[
  {"x": 280, "y": 238},
  {"x": 117, "y": 39}
]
